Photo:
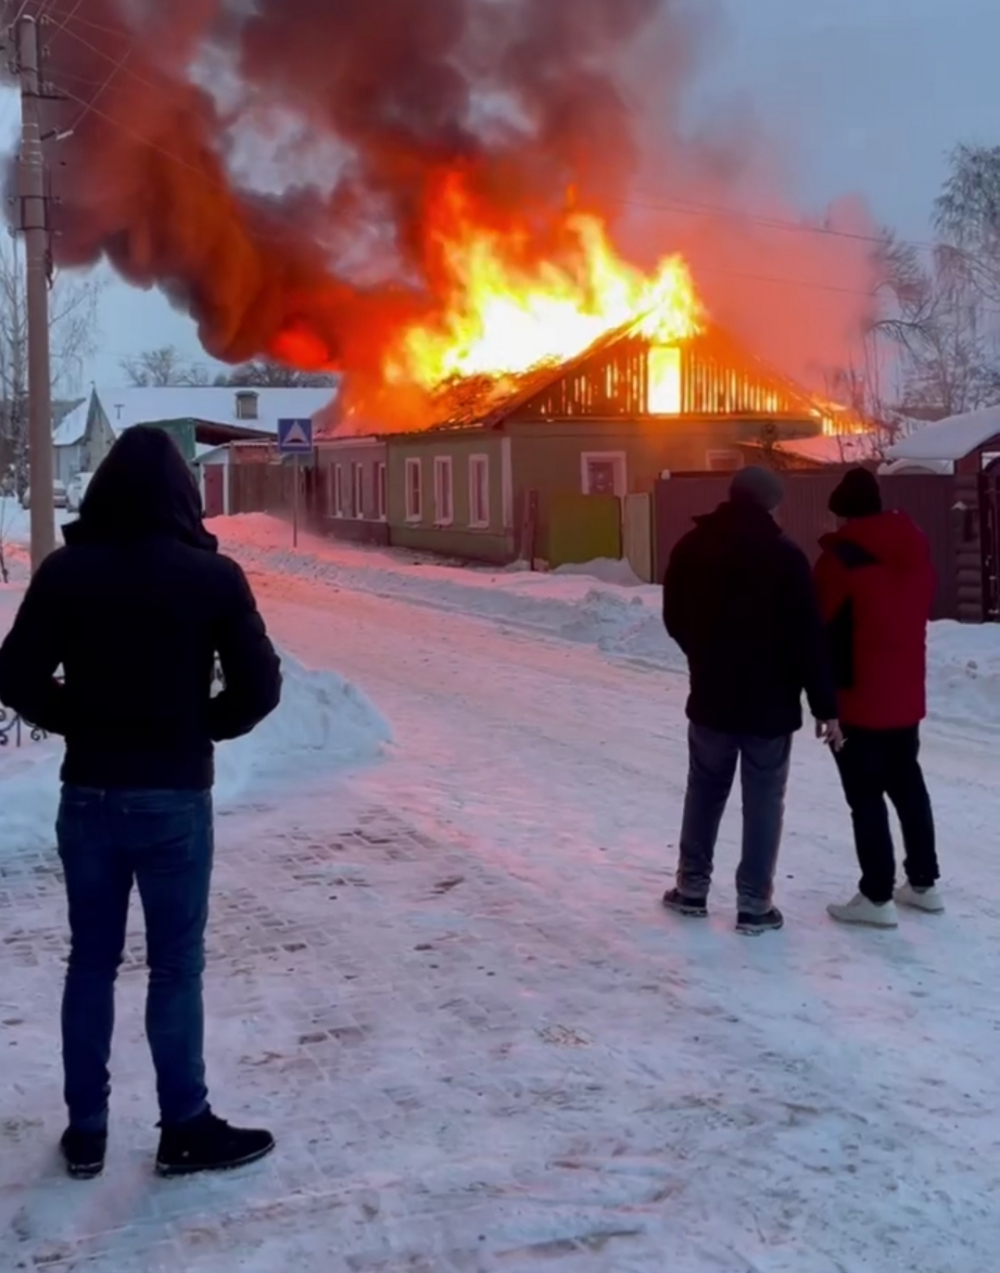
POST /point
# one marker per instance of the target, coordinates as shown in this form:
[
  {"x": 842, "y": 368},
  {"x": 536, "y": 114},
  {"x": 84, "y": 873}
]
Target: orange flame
[{"x": 508, "y": 311}]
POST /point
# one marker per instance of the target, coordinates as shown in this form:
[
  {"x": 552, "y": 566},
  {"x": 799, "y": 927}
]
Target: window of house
[
  {"x": 444, "y": 491},
  {"x": 338, "y": 491},
  {"x": 414, "y": 490},
  {"x": 357, "y": 491},
  {"x": 604, "y": 473},
  {"x": 381, "y": 493},
  {"x": 479, "y": 492},
  {"x": 723, "y": 461},
  {"x": 246, "y": 405}
]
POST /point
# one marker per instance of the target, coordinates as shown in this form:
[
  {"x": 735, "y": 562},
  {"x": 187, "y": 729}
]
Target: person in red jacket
[{"x": 876, "y": 584}]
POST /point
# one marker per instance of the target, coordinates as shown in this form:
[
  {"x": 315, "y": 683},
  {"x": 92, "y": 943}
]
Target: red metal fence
[{"x": 945, "y": 508}]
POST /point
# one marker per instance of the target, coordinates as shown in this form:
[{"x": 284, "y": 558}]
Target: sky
[{"x": 862, "y": 96}]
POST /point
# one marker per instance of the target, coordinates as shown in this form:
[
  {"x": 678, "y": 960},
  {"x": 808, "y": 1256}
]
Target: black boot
[
  {"x": 751, "y": 925},
  {"x": 690, "y": 907},
  {"x": 84, "y": 1153},
  {"x": 209, "y": 1144}
]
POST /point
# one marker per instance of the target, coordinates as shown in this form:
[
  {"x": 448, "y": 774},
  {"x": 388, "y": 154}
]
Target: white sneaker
[
  {"x": 925, "y": 899},
  {"x": 865, "y": 913}
]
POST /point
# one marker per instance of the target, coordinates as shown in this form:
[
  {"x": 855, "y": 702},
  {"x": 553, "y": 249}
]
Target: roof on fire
[{"x": 487, "y": 401}]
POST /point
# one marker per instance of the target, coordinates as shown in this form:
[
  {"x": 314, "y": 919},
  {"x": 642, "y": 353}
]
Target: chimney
[{"x": 247, "y": 404}]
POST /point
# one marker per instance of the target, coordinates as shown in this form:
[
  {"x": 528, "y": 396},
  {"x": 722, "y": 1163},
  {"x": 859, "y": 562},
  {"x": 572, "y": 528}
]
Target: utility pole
[{"x": 34, "y": 224}]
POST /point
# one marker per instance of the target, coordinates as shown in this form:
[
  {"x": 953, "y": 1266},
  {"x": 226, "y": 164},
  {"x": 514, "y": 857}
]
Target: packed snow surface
[{"x": 445, "y": 981}]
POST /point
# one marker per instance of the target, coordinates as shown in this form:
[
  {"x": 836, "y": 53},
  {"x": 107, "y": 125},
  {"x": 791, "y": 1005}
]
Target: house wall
[
  {"x": 362, "y": 525},
  {"x": 86, "y": 455},
  {"x": 68, "y": 462},
  {"x": 98, "y": 440},
  {"x": 493, "y": 542},
  {"x": 548, "y": 456}
]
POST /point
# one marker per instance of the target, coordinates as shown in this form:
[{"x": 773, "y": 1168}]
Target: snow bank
[
  {"x": 324, "y": 724},
  {"x": 963, "y": 674}
]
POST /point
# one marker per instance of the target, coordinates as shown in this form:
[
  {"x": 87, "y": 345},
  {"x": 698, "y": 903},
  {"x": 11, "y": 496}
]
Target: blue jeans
[
  {"x": 765, "y": 764},
  {"x": 163, "y": 840}
]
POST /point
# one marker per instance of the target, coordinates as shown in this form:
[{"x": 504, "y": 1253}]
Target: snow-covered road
[{"x": 446, "y": 982}]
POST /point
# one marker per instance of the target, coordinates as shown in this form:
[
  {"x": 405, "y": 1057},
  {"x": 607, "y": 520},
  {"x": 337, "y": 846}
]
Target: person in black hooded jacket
[{"x": 135, "y": 610}]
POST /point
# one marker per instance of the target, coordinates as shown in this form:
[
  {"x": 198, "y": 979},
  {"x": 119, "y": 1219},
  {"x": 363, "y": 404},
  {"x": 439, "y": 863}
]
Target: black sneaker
[
  {"x": 209, "y": 1144},
  {"x": 691, "y": 907},
  {"x": 753, "y": 925},
  {"x": 84, "y": 1153}
]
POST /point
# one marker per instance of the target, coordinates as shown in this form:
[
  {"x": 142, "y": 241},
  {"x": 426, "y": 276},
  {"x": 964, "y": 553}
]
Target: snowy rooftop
[
  {"x": 950, "y": 439},
  {"x": 842, "y": 448},
  {"x": 127, "y": 407}
]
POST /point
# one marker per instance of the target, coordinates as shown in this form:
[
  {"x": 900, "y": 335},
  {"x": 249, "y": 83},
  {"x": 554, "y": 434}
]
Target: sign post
[{"x": 295, "y": 438}]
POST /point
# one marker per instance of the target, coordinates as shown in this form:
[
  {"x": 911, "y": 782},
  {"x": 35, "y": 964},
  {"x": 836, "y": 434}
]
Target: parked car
[
  {"x": 58, "y": 495},
  {"x": 76, "y": 490}
]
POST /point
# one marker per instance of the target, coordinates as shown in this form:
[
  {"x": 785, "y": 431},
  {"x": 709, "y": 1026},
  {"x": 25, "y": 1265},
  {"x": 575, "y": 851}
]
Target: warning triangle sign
[{"x": 295, "y": 435}]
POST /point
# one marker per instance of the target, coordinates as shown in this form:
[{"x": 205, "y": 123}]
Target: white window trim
[
  {"x": 414, "y": 515},
  {"x": 443, "y": 464},
  {"x": 620, "y": 461},
  {"x": 732, "y": 460},
  {"x": 358, "y": 491},
  {"x": 338, "y": 490},
  {"x": 479, "y": 523},
  {"x": 381, "y": 492}
]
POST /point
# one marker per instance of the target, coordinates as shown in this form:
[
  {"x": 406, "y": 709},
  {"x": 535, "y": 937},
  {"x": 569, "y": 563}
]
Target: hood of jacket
[
  {"x": 892, "y": 538},
  {"x": 739, "y": 517},
  {"x": 143, "y": 490}
]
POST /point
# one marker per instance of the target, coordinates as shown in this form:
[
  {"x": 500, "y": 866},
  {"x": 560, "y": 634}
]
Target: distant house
[{"x": 198, "y": 418}]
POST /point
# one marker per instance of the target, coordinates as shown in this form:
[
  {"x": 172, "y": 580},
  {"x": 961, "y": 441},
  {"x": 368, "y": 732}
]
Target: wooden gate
[
  {"x": 215, "y": 489},
  {"x": 637, "y": 535}
]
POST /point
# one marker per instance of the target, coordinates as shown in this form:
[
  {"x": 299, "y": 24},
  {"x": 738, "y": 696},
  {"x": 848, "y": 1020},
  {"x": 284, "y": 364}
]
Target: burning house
[{"x": 517, "y": 465}]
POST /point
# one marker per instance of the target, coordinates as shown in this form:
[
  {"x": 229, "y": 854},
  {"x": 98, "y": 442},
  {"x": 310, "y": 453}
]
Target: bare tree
[
  {"x": 162, "y": 368},
  {"x": 74, "y": 332},
  {"x": 967, "y": 215},
  {"x": 936, "y": 325},
  {"x": 264, "y": 374}
]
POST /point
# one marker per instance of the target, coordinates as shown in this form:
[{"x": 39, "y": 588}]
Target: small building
[
  {"x": 539, "y": 466},
  {"x": 196, "y": 416},
  {"x": 966, "y": 445}
]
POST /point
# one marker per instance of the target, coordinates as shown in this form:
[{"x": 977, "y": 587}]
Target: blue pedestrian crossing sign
[{"x": 295, "y": 436}]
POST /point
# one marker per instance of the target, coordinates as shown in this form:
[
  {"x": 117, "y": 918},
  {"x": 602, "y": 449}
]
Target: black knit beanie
[{"x": 858, "y": 495}]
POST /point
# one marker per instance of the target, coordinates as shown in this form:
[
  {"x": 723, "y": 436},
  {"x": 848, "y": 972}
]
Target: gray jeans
[{"x": 765, "y": 764}]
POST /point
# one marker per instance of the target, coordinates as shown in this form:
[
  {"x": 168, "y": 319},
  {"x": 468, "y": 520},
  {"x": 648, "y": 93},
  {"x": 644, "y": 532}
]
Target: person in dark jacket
[
  {"x": 739, "y": 600},
  {"x": 135, "y": 609},
  {"x": 876, "y": 584}
]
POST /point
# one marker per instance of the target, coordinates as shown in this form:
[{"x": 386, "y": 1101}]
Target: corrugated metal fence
[{"x": 945, "y": 508}]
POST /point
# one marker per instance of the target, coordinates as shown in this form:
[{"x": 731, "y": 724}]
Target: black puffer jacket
[
  {"x": 739, "y": 600},
  {"x": 135, "y": 610}
]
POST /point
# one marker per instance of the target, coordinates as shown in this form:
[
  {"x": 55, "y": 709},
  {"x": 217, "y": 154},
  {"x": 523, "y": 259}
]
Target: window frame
[
  {"x": 483, "y": 521},
  {"x": 338, "y": 490},
  {"x": 617, "y": 458},
  {"x": 444, "y": 464},
  {"x": 382, "y": 491},
  {"x": 414, "y": 507},
  {"x": 358, "y": 492}
]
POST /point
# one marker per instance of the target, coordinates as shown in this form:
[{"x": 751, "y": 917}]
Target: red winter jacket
[{"x": 876, "y": 585}]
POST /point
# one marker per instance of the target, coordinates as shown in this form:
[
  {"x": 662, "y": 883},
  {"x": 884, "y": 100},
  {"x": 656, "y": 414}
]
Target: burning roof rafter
[{"x": 628, "y": 373}]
